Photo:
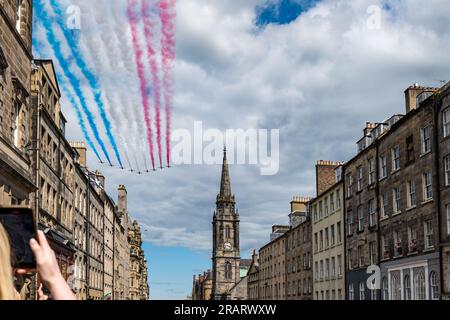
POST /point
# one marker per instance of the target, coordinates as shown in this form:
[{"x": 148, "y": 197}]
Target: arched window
[
  {"x": 385, "y": 287},
  {"x": 434, "y": 286},
  {"x": 419, "y": 286},
  {"x": 407, "y": 287},
  {"x": 228, "y": 271},
  {"x": 395, "y": 288}
]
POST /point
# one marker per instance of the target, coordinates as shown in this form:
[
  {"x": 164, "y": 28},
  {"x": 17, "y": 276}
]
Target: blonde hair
[{"x": 6, "y": 275}]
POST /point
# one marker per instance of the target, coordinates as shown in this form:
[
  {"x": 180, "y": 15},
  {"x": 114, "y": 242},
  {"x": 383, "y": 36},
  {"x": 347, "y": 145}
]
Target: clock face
[{"x": 227, "y": 246}]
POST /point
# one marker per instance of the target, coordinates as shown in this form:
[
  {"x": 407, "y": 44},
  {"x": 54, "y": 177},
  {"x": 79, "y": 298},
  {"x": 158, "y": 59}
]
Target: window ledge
[
  {"x": 397, "y": 213},
  {"x": 395, "y": 171},
  {"x": 414, "y": 253},
  {"x": 382, "y": 178},
  {"x": 425, "y": 154},
  {"x": 411, "y": 208},
  {"x": 427, "y": 201},
  {"x": 384, "y": 218},
  {"x": 431, "y": 249}
]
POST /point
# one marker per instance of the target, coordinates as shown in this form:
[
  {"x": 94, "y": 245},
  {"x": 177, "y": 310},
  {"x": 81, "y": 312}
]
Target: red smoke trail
[
  {"x": 167, "y": 15},
  {"x": 141, "y": 74},
  {"x": 148, "y": 31}
]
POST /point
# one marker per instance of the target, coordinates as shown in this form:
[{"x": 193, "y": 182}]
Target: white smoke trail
[
  {"x": 122, "y": 40},
  {"x": 108, "y": 48}
]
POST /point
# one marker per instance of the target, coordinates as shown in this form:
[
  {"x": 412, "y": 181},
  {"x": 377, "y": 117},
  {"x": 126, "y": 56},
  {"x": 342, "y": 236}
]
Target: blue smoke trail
[
  {"x": 38, "y": 47},
  {"x": 92, "y": 80},
  {"x": 51, "y": 38}
]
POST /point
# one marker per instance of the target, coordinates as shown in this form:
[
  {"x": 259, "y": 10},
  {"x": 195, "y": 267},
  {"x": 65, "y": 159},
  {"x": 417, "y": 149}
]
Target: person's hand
[
  {"x": 48, "y": 269},
  {"x": 41, "y": 294},
  {"x": 46, "y": 264}
]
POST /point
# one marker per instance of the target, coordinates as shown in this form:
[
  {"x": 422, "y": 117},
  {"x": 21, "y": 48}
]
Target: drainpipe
[
  {"x": 436, "y": 109},
  {"x": 88, "y": 227},
  {"x": 344, "y": 233},
  {"x": 37, "y": 157},
  {"x": 377, "y": 199},
  {"x": 113, "y": 293}
]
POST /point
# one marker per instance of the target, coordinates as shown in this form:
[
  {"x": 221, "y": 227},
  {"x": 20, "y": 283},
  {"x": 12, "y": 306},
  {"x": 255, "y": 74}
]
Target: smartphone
[{"x": 20, "y": 225}]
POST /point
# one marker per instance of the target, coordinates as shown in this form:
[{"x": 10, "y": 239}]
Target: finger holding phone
[
  {"x": 48, "y": 269},
  {"x": 32, "y": 251}
]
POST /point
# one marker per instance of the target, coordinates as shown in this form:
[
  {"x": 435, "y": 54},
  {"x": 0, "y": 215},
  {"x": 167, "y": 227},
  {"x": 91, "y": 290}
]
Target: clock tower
[{"x": 226, "y": 253}]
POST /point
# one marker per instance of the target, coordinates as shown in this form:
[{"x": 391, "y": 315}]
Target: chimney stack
[
  {"x": 299, "y": 203},
  {"x": 255, "y": 258},
  {"x": 122, "y": 199},
  {"x": 325, "y": 175},
  {"x": 413, "y": 92},
  {"x": 101, "y": 178},
  {"x": 80, "y": 147},
  {"x": 369, "y": 127}
]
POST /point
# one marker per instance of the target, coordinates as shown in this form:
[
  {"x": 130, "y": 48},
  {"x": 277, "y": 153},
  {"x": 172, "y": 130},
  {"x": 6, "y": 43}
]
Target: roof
[
  {"x": 50, "y": 72},
  {"x": 246, "y": 262},
  {"x": 403, "y": 119}
]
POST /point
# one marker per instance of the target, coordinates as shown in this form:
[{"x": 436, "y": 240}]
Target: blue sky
[
  {"x": 281, "y": 11},
  {"x": 172, "y": 268},
  {"x": 301, "y": 69}
]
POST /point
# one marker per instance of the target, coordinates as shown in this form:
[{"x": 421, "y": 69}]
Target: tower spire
[{"x": 225, "y": 184}]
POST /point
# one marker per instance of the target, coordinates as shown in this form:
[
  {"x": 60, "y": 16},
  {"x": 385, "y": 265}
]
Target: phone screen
[{"x": 19, "y": 224}]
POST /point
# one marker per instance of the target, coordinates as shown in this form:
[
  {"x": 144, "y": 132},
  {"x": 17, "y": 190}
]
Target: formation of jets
[{"x": 139, "y": 172}]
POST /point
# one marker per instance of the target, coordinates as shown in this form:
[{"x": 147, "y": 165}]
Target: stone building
[
  {"x": 272, "y": 266},
  {"x": 283, "y": 268},
  {"x": 121, "y": 247},
  {"x": 441, "y": 134},
  {"x": 202, "y": 286},
  {"x": 239, "y": 290},
  {"x": 145, "y": 288},
  {"x": 53, "y": 161},
  {"x": 361, "y": 233},
  {"x": 226, "y": 248},
  {"x": 138, "y": 286},
  {"x": 80, "y": 223},
  {"x": 328, "y": 237},
  {"x": 408, "y": 217},
  {"x": 95, "y": 263},
  {"x": 108, "y": 249},
  {"x": 299, "y": 272},
  {"x": 396, "y": 200},
  {"x": 16, "y": 180},
  {"x": 253, "y": 278},
  {"x": 134, "y": 241}
]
